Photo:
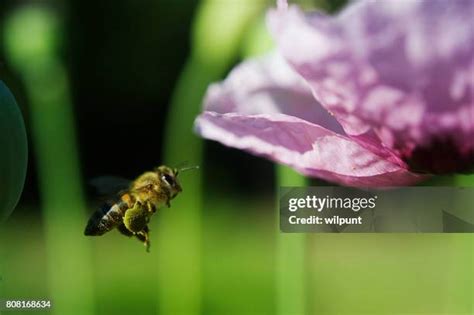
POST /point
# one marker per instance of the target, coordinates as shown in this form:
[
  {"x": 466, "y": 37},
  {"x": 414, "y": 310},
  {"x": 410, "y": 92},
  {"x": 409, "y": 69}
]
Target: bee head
[{"x": 169, "y": 178}]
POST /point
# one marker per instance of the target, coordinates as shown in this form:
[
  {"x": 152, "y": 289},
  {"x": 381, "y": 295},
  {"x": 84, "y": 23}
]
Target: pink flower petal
[
  {"x": 310, "y": 149},
  {"x": 266, "y": 108},
  {"x": 394, "y": 72},
  {"x": 267, "y": 85}
]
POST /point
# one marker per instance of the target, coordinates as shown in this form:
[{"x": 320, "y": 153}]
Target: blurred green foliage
[
  {"x": 53, "y": 133},
  {"x": 381, "y": 274},
  {"x": 217, "y": 33},
  {"x": 94, "y": 81}
]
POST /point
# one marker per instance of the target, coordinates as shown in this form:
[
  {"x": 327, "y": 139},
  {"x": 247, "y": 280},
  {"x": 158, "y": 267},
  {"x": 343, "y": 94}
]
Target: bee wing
[{"x": 109, "y": 185}]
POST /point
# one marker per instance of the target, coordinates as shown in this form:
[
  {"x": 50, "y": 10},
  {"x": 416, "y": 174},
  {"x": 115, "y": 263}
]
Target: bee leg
[
  {"x": 151, "y": 208},
  {"x": 141, "y": 236},
  {"x": 144, "y": 237},
  {"x": 147, "y": 238}
]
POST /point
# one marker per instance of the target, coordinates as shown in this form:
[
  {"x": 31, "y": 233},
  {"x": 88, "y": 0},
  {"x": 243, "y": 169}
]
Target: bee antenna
[
  {"x": 183, "y": 169},
  {"x": 182, "y": 165}
]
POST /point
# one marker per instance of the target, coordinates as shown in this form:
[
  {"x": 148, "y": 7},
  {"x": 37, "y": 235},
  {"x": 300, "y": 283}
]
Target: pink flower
[{"x": 379, "y": 95}]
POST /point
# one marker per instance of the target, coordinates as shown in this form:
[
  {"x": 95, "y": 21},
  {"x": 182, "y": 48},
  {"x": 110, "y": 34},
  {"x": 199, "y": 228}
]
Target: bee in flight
[{"x": 131, "y": 209}]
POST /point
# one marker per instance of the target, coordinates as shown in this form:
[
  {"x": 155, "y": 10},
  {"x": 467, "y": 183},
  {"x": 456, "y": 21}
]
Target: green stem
[
  {"x": 468, "y": 181},
  {"x": 290, "y": 268},
  {"x": 61, "y": 193},
  {"x": 180, "y": 231},
  {"x": 290, "y": 253},
  {"x": 30, "y": 48},
  {"x": 218, "y": 31},
  {"x": 464, "y": 180}
]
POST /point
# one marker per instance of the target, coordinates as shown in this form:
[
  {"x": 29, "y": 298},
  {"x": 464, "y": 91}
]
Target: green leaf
[{"x": 14, "y": 152}]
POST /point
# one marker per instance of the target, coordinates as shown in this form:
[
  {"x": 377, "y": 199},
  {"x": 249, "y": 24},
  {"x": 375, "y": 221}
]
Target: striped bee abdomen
[{"x": 105, "y": 218}]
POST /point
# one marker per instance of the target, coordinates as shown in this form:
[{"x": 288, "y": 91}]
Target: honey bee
[{"x": 135, "y": 203}]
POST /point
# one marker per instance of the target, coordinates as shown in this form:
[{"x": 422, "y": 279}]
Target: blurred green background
[{"x": 111, "y": 88}]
